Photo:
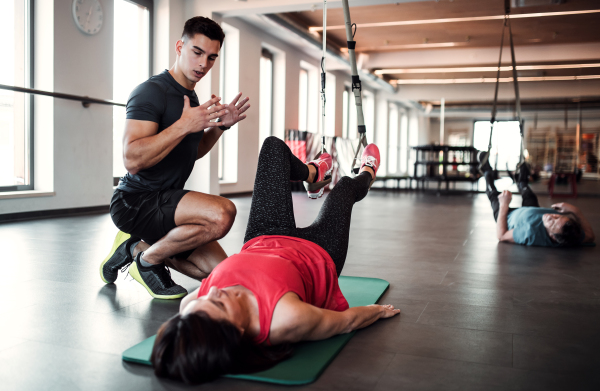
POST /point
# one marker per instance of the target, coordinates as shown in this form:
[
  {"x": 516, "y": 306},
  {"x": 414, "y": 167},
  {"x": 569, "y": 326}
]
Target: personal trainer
[
  {"x": 532, "y": 225},
  {"x": 282, "y": 287},
  {"x": 166, "y": 131}
]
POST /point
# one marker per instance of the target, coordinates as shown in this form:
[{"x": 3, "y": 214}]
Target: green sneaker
[
  {"x": 119, "y": 257},
  {"x": 156, "y": 279}
]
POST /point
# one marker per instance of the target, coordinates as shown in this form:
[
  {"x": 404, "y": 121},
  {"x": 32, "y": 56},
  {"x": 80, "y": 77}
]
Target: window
[
  {"x": 313, "y": 97},
  {"x": 265, "y": 117},
  {"x": 403, "y": 143},
  {"x": 393, "y": 144},
  {"x": 506, "y": 142},
  {"x": 352, "y": 120},
  {"x": 346, "y": 111},
  {"x": 368, "y": 104},
  {"x": 229, "y": 84},
  {"x": 131, "y": 64},
  {"x": 16, "y": 159},
  {"x": 303, "y": 100}
]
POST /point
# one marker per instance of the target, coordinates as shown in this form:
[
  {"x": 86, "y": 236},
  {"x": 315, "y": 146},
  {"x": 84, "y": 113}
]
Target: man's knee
[{"x": 225, "y": 218}]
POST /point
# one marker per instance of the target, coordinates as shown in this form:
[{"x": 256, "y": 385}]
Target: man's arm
[
  {"x": 143, "y": 147},
  {"x": 585, "y": 225},
  {"x": 502, "y": 232},
  {"x": 210, "y": 138},
  {"x": 294, "y": 320},
  {"x": 235, "y": 114}
]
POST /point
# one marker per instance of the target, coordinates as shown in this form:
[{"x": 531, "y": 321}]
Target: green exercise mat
[{"x": 309, "y": 359}]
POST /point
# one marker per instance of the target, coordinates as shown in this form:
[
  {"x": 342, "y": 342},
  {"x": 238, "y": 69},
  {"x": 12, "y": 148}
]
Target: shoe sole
[
  {"x": 315, "y": 190},
  {"x": 119, "y": 239},
  {"x": 135, "y": 273}
]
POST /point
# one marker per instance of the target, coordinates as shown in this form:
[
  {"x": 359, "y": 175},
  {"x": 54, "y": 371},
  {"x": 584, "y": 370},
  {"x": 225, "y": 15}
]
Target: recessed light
[
  {"x": 458, "y": 20},
  {"x": 503, "y": 68},
  {"x": 479, "y": 80}
]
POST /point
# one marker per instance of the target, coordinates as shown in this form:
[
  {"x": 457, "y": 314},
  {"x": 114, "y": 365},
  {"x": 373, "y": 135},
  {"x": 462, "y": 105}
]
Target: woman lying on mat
[{"x": 283, "y": 285}]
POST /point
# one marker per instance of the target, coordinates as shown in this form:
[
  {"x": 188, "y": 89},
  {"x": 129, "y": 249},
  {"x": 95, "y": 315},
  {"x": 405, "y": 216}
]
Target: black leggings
[
  {"x": 272, "y": 210},
  {"x": 529, "y": 197}
]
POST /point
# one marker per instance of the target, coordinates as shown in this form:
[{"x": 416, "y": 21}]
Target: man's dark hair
[
  {"x": 571, "y": 233},
  {"x": 204, "y": 26},
  {"x": 195, "y": 348}
]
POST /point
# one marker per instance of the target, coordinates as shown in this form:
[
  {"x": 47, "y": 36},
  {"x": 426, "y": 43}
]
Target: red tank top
[{"x": 271, "y": 266}]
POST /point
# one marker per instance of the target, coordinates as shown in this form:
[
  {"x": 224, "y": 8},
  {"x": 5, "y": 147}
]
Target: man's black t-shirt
[{"x": 160, "y": 99}]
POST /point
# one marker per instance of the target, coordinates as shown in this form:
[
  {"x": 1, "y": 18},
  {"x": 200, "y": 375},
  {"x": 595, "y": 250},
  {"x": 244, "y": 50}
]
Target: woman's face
[{"x": 219, "y": 304}]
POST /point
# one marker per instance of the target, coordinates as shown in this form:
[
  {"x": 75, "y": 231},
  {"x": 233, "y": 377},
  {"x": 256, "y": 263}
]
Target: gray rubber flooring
[{"x": 476, "y": 314}]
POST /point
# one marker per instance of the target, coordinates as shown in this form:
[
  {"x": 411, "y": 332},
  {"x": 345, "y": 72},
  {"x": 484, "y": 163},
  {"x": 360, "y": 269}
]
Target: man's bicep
[{"x": 136, "y": 129}]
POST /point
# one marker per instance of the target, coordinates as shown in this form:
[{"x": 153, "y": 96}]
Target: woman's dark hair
[
  {"x": 571, "y": 233},
  {"x": 195, "y": 348},
  {"x": 204, "y": 26}
]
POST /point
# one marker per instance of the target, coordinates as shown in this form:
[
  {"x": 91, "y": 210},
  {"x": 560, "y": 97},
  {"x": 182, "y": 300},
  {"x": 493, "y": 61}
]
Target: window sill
[{"x": 26, "y": 194}]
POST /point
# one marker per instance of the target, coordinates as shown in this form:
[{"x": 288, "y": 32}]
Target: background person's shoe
[
  {"x": 156, "y": 279},
  {"x": 324, "y": 165},
  {"x": 370, "y": 158},
  {"x": 119, "y": 257},
  {"x": 483, "y": 158}
]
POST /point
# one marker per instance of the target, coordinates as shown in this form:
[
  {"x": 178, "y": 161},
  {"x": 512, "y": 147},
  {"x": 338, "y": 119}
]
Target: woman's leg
[
  {"x": 331, "y": 229},
  {"x": 272, "y": 210}
]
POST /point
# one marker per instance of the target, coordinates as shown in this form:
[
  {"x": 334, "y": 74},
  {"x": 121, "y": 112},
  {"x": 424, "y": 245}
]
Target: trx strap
[
  {"x": 515, "y": 84},
  {"x": 356, "y": 86},
  {"x": 323, "y": 76}
]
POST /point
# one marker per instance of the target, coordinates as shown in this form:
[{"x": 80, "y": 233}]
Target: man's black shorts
[{"x": 147, "y": 215}]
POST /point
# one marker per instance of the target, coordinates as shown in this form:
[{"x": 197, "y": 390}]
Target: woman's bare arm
[
  {"x": 186, "y": 300},
  {"x": 294, "y": 320}
]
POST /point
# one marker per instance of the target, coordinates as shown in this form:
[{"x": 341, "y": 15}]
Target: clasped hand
[
  {"x": 505, "y": 198},
  {"x": 199, "y": 118},
  {"x": 564, "y": 207}
]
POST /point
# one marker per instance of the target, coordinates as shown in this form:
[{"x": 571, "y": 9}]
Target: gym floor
[{"x": 476, "y": 314}]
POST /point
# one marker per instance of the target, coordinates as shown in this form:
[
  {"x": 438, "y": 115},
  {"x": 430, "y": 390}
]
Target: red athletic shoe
[
  {"x": 324, "y": 166},
  {"x": 370, "y": 157}
]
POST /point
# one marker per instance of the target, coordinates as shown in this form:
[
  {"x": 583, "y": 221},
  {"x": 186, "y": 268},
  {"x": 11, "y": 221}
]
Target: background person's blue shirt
[{"x": 528, "y": 227}]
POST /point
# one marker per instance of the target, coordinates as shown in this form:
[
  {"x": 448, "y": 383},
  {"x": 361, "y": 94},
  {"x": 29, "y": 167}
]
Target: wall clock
[{"x": 88, "y": 15}]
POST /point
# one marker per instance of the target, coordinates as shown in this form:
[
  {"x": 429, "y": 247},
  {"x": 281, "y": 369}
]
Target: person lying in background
[{"x": 532, "y": 225}]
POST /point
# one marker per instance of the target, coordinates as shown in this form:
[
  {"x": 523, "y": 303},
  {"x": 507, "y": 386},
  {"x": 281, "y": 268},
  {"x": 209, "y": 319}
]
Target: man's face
[
  {"x": 196, "y": 56},
  {"x": 554, "y": 223}
]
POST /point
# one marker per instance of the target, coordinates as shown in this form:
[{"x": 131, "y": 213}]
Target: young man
[
  {"x": 166, "y": 131},
  {"x": 531, "y": 225}
]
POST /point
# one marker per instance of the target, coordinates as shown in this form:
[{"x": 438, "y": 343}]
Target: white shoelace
[{"x": 370, "y": 161}]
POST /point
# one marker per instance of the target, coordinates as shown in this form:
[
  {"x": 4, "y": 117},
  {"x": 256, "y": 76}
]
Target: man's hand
[
  {"x": 564, "y": 207},
  {"x": 235, "y": 112},
  {"x": 196, "y": 119},
  {"x": 505, "y": 198}
]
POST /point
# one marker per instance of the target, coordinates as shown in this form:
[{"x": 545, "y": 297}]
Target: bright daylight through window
[
  {"x": 131, "y": 66},
  {"x": 15, "y": 130},
  {"x": 506, "y": 142}
]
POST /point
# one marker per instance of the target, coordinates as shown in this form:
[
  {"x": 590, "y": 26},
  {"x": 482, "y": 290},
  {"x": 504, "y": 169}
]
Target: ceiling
[{"x": 447, "y": 37}]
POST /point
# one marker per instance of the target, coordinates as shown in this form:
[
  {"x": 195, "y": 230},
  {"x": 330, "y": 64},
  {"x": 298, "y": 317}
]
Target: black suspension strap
[
  {"x": 517, "y": 95},
  {"x": 356, "y": 86},
  {"x": 323, "y": 76}
]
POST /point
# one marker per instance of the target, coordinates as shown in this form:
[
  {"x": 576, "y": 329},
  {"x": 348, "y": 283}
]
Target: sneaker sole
[
  {"x": 135, "y": 273},
  {"x": 315, "y": 190},
  {"x": 121, "y": 237}
]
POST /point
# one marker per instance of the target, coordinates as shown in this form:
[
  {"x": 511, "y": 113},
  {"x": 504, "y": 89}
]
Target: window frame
[
  {"x": 266, "y": 53},
  {"x": 28, "y": 83},
  {"x": 149, "y": 5}
]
